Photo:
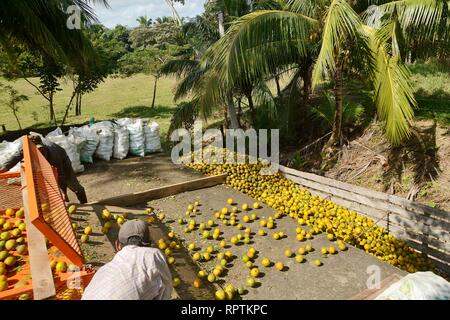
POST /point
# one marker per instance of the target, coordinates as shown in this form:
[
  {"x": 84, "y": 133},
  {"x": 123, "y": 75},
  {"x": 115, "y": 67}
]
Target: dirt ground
[
  {"x": 117, "y": 177},
  {"x": 341, "y": 276},
  {"x": 419, "y": 172}
]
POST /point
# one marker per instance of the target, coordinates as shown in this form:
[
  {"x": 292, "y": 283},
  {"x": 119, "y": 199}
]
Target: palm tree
[
  {"x": 41, "y": 26},
  {"x": 264, "y": 40},
  {"x": 144, "y": 21},
  {"x": 161, "y": 20},
  {"x": 415, "y": 28}
]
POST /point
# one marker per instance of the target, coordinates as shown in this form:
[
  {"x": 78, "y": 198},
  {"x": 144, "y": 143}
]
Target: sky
[{"x": 125, "y": 12}]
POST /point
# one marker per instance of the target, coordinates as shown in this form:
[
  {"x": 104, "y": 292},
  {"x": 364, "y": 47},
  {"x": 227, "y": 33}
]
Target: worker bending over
[{"x": 137, "y": 272}]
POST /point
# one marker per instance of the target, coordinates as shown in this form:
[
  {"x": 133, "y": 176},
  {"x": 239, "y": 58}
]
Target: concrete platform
[{"x": 342, "y": 275}]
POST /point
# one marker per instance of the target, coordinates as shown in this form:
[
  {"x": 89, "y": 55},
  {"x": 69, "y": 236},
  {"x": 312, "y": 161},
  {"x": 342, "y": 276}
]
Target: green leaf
[{"x": 341, "y": 24}]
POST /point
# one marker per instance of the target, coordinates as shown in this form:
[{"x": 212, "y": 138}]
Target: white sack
[
  {"x": 152, "y": 138},
  {"x": 102, "y": 124},
  {"x": 9, "y": 151},
  {"x": 137, "y": 138},
  {"x": 418, "y": 286},
  {"x": 92, "y": 140},
  {"x": 71, "y": 145},
  {"x": 55, "y": 133},
  {"x": 106, "y": 144},
  {"x": 121, "y": 142}
]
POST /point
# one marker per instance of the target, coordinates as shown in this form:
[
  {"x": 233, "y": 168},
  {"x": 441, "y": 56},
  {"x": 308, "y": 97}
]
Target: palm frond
[
  {"x": 252, "y": 45},
  {"x": 208, "y": 93},
  {"x": 268, "y": 5},
  {"x": 265, "y": 101},
  {"x": 325, "y": 111},
  {"x": 183, "y": 116},
  {"x": 393, "y": 93},
  {"x": 41, "y": 26},
  {"x": 179, "y": 68},
  {"x": 192, "y": 81},
  {"x": 341, "y": 24},
  {"x": 425, "y": 18},
  {"x": 311, "y": 8},
  {"x": 390, "y": 33}
]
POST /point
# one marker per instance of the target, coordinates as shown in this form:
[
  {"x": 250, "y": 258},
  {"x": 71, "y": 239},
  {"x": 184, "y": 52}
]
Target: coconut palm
[
  {"x": 144, "y": 21},
  {"x": 263, "y": 40},
  {"x": 415, "y": 28},
  {"x": 41, "y": 26}
]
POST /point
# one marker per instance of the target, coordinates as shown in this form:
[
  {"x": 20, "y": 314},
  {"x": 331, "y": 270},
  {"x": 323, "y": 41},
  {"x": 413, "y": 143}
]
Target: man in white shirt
[{"x": 137, "y": 272}]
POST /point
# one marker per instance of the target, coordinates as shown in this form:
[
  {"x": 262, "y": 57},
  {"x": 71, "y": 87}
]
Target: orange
[{"x": 197, "y": 283}]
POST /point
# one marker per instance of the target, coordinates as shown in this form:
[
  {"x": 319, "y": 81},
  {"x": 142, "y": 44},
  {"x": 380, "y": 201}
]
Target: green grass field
[
  {"x": 115, "y": 98},
  {"x": 432, "y": 90}
]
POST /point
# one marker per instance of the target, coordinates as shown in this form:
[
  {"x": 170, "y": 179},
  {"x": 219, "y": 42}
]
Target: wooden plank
[
  {"x": 371, "y": 294},
  {"x": 444, "y": 267},
  {"x": 439, "y": 226},
  {"x": 401, "y": 234},
  {"x": 436, "y": 231},
  {"x": 428, "y": 250},
  {"x": 41, "y": 273},
  {"x": 157, "y": 193},
  {"x": 420, "y": 208},
  {"x": 420, "y": 242}
]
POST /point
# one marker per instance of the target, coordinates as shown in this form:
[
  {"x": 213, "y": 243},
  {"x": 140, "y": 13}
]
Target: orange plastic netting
[
  {"x": 46, "y": 206},
  {"x": 10, "y": 191}
]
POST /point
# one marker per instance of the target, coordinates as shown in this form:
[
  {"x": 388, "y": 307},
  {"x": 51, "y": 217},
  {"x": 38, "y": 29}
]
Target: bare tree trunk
[
  {"x": 250, "y": 5},
  {"x": 175, "y": 13},
  {"x": 225, "y": 117},
  {"x": 221, "y": 24},
  {"x": 307, "y": 83},
  {"x": 52, "y": 109},
  {"x": 336, "y": 137},
  {"x": 239, "y": 112},
  {"x": 17, "y": 118},
  {"x": 76, "y": 105},
  {"x": 277, "y": 81},
  {"x": 78, "y": 102},
  {"x": 154, "y": 91},
  {"x": 231, "y": 110},
  {"x": 68, "y": 107},
  {"x": 251, "y": 106}
]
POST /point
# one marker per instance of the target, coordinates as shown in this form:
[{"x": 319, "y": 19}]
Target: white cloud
[{"x": 125, "y": 12}]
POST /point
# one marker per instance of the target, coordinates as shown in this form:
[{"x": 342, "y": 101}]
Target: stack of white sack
[
  {"x": 152, "y": 138},
  {"x": 91, "y": 142}
]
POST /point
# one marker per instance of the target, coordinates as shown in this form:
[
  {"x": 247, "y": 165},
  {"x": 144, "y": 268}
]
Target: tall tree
[{"x": 13, "y": 100}]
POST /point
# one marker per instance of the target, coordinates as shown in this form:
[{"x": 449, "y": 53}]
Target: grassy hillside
[{"x": 116, "y": 97}]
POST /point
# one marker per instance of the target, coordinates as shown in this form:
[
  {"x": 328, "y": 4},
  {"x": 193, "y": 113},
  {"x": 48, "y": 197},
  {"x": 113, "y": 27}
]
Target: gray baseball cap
[{"x": 134, "y": 228}]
